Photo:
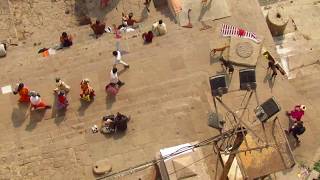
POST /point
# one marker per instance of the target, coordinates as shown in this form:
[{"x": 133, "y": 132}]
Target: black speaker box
[
  {"x": 247, "y": 79},
  {"x": 267, "y": 109},
  {"x": 218, "y": 85}
]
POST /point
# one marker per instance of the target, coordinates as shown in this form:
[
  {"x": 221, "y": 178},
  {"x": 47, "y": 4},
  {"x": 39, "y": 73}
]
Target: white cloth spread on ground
[
  {"x": 114, "y": 77},
  {"x": 159, "y": 29},
  {"x": 229, "y": 30},
  {"x": 126, "y": 29},
  {"x": 3, "y": 51},
  {"x": 35, "y": 100}
]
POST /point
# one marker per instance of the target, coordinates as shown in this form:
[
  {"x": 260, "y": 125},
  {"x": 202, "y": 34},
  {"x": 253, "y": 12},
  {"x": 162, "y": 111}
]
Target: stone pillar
[{"x": 277, "y": 21}]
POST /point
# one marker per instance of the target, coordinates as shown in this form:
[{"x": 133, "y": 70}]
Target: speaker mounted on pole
[
  {"x": 218, "y": 85},
  {"x": 247, "y": 79},
  {"x": 267, "y": 109}
]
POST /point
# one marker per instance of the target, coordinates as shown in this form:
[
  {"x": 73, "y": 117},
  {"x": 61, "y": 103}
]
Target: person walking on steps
[
  {"x": 114, "y": 79},
  {"x": 118, "y": 60},
  {"x": 113, "y": 87}
]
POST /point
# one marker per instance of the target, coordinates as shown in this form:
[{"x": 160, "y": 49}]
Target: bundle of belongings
[{"x": 112, "y": 123}]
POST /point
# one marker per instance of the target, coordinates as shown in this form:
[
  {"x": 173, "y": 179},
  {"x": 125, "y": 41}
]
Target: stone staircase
[{"x": 169, "y": 107}]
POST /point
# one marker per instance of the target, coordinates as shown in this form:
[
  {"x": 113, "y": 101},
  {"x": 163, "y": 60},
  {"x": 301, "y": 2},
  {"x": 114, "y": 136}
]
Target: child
[{"x": 23, "y": 92}]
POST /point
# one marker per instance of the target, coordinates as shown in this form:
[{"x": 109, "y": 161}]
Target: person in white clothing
[
  {"x": 159, "y": 28},
  {"x": 36, "y": 102},
  {"x": 114, "y": 79},
  {"x": 117, "y": 55},
  {"x": 3, "y": 49}
]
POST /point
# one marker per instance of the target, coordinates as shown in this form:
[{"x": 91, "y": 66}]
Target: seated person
[
  {"x": 3, "y": 49},
  {"x": 36, "y": 101},
  {"x": 23, "y": 92},
  {"x": 98, "y": 28},
  {"x": 159, "y": 28},
  {"x": 147, "y": 37},
  {"x": 62, "y": 100},
  {"x": 61, "y": 86},
  {"x": 87, "y": 91},
  {"x": 113, "y": 123},
  {"x": 128, "y": 21},
  {"x": 66, "y": 40}
]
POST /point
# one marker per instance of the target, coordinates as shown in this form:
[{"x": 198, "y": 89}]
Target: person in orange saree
[
  {"x": 23, "y": 92},
  {"x": 87, "y": 91},
  {"x": 36, "y": 101}
]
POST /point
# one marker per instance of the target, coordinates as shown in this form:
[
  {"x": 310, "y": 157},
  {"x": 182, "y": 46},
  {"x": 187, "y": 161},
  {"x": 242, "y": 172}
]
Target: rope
[{"x": 147, "y": 164}]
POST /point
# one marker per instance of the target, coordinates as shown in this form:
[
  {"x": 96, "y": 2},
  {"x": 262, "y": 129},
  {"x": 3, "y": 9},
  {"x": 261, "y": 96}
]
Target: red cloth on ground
[
  {"x": 241, "y": 32},
  {"x": 297, "y": 113}
]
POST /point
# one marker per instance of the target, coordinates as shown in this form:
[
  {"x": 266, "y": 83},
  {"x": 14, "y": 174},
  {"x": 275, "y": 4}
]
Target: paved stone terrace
[{"x": 165, "y": 94}]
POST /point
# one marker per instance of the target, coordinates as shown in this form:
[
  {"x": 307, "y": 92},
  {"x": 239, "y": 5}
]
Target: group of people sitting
[
  {"x": 99, "y": 28},
  {"x": 114, "y": 123},
  {"x": 61, "y": 90},
  {"x": 27, "y": 96},
  {"x": 129, "y": 24}
]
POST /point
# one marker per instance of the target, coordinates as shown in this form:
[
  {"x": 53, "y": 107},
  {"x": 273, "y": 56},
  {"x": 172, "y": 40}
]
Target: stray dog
[{"x": 227, "y": 64}]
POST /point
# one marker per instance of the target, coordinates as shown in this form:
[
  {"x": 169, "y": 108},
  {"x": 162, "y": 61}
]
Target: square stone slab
[{"x": 244, "y": 51}]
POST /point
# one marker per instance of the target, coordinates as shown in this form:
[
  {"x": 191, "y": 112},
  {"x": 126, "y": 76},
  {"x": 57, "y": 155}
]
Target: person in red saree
[
  {"x": 36, "y": 101},
  {"x": 23, "y": 92},
  {"x": 87, "y": 91}
]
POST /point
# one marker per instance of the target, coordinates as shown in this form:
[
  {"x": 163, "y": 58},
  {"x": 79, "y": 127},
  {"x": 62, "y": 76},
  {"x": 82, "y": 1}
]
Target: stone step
[
  {"x": 70, "y": 59},
  {"x": 149, "y": 97},
  {"x": 52, "y": 135}
]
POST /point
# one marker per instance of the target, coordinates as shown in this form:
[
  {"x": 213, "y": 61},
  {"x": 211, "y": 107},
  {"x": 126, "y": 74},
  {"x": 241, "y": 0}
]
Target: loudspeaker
[
  {"x": 218, "y": 85},
  {"x": 247, "y": 79},
  {"x": 267, "y": 109}
]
